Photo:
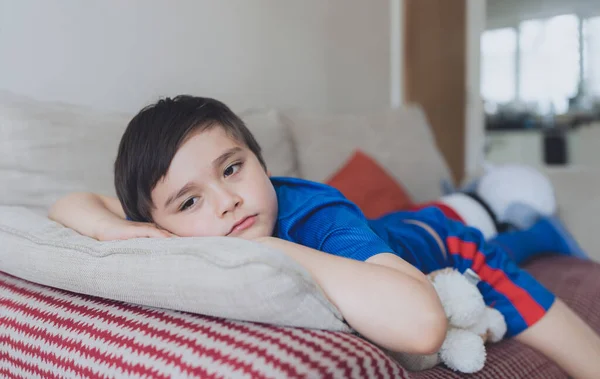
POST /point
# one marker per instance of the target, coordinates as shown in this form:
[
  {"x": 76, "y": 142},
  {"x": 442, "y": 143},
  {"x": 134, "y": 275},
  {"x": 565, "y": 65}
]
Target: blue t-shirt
[{"x": 320, "y": 217}]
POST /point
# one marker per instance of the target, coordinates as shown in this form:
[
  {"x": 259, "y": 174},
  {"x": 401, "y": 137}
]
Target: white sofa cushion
[
  {"x": 400, "y": 140},
  {"x": 217, "y": 276},
  {"x": 275, "y": 139},
  {"x": 48, "y": 149}
]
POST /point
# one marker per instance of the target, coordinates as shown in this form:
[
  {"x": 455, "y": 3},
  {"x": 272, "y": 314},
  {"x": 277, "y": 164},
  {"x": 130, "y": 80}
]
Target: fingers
[
  {"x": 165, "y": 231},
  {"x": 131, "y": 230},
  {"x": 153, "y": 232}
]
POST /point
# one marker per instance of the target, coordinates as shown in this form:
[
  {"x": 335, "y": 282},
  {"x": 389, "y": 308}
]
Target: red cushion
[{"x": 364, "y": 182}]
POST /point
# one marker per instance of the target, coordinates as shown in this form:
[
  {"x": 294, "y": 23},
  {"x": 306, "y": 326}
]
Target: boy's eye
[
  {"x": 188, "y": 203},
  {"x": 232, "y": 169}
]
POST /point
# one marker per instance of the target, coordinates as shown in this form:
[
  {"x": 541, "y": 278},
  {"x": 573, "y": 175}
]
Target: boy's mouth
[{"x": 242, "y": 225}]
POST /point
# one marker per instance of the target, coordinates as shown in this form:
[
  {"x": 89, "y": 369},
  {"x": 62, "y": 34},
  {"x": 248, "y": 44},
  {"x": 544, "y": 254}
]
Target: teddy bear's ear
[{"x": 462, "y": 301}]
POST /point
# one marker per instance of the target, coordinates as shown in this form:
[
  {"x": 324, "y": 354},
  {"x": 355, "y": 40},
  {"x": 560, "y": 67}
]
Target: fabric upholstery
[
  {"x": 400, "y": 140},
  {"x": 45, "y": 332},
  {"x": 49, "y": 333},
  {"x": 274, "y": 137},
  {"x": 577, "y": 283},
  {"x": 49, "y": 149},
  {"x": 218, "y": 276},
  {"x": 364, "y": 182}
]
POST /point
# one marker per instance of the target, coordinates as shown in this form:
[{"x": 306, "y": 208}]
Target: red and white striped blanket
[{"x": 49, "y": 333}]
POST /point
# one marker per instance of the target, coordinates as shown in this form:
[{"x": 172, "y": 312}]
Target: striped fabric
[
  {"x": 575, "y": 281},
  {"x": 48, "y": 333}
]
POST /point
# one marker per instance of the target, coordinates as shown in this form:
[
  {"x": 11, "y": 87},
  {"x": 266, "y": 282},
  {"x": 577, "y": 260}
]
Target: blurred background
[
  {"x": 500, "y": 80},
  {"x": 540, "y": 81}
]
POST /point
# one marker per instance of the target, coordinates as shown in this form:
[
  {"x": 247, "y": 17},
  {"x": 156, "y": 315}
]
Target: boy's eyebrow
[
  {"x": 179, "y": 193},
  {"x": 216, "y": 163},
  {"x": 225, "y": 156}
]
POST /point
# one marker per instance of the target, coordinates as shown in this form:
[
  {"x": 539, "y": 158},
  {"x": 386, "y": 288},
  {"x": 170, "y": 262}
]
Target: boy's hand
[
  {"x": 100, "y": 217},
  {"x": 113, "y": 228}
]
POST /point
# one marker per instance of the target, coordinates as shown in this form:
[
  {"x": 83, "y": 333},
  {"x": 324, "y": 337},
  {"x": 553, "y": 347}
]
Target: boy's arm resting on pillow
[
  {"x": 100, "y": 217},
  {"x": 385, "y": 299}
]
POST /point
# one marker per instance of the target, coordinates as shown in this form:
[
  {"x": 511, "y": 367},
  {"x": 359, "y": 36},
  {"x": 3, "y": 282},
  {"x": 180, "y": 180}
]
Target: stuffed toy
[
  {"x": 504, "y": 197},
  {"x": 511, "y": 190},
  {"x": 470, "y": 325}
]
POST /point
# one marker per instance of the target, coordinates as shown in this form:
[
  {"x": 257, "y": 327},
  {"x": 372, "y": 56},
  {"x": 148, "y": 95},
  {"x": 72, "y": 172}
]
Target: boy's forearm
[
  {"x": 81, "y": 212},
  {"x": 393, "y": 261},
  {"x": 392, "y": 309}
]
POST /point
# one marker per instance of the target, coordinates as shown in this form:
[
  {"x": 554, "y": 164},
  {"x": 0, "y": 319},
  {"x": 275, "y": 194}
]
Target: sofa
[{"x": 60, "y": 322}]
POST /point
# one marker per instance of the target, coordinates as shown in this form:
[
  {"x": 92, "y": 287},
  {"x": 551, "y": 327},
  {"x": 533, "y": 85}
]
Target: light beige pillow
[
  {"x": 400, "y": 140},
  {"x": 275, "y": 139},
  {"x": 218, "y": 276},
  {"x": 48, "y": 149}
]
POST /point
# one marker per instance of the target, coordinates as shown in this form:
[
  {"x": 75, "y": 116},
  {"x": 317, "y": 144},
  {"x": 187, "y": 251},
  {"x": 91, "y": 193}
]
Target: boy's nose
[{"x": 227, "y": 201}]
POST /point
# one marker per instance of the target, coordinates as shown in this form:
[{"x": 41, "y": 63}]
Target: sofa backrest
[
  {"x": 48, "y": 149},
  {"x": 399, "y": 139}
]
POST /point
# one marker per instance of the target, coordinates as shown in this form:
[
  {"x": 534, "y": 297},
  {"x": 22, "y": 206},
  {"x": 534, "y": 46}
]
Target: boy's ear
[{"x": 269, "y": 173}]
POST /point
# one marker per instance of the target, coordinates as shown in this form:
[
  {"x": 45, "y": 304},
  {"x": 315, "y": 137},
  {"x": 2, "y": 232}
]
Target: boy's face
[{"x": 215, "y": 186}]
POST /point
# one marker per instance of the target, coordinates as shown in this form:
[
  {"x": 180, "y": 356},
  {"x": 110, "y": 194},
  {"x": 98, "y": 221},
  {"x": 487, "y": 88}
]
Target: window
[
  {"x": 549, "y": 62},
  {"x": 541, "y": 63},
  {"x": 591, "y": 56},
  {"x": 498, "y": 79}
]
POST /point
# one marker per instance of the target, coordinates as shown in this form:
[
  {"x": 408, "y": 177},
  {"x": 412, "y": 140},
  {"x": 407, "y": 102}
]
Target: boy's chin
[{"x": 253, "y": 234}]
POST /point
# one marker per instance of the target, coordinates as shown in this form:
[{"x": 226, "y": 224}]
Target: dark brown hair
[{"x": 153, "y": 137}]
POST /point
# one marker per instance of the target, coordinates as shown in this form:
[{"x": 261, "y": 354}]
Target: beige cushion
[
  {"x": 400, "y": 140},
  {"x": 274, "y": 137},
  {"x": 50, "y": 149},
  {"x": 218, "y": 276}
]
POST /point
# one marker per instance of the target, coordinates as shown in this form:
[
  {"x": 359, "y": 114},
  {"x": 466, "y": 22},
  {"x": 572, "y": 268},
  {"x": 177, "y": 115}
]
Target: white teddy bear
[{"x": 470, "y": 325}]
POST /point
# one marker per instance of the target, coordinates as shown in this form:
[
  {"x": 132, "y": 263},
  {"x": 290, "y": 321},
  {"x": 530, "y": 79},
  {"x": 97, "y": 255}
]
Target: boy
[{"x": 188, "y": 166}]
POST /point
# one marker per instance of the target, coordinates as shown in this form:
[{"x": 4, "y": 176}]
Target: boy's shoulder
[
  {"x": 297, "y": 184},
  {"x": 296, "y": 193}
]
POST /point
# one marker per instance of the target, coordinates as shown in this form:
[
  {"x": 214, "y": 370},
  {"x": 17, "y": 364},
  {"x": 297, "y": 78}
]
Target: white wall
[
  {"x": 474, "y": 116},
  {"x": 396, "y": 51},
  {"x": 341, "y": 55},
  {"x": 120, "y": 55}
]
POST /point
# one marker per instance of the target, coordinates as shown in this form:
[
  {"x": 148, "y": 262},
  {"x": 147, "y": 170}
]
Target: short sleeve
[{"x": 338, "y": 227}]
